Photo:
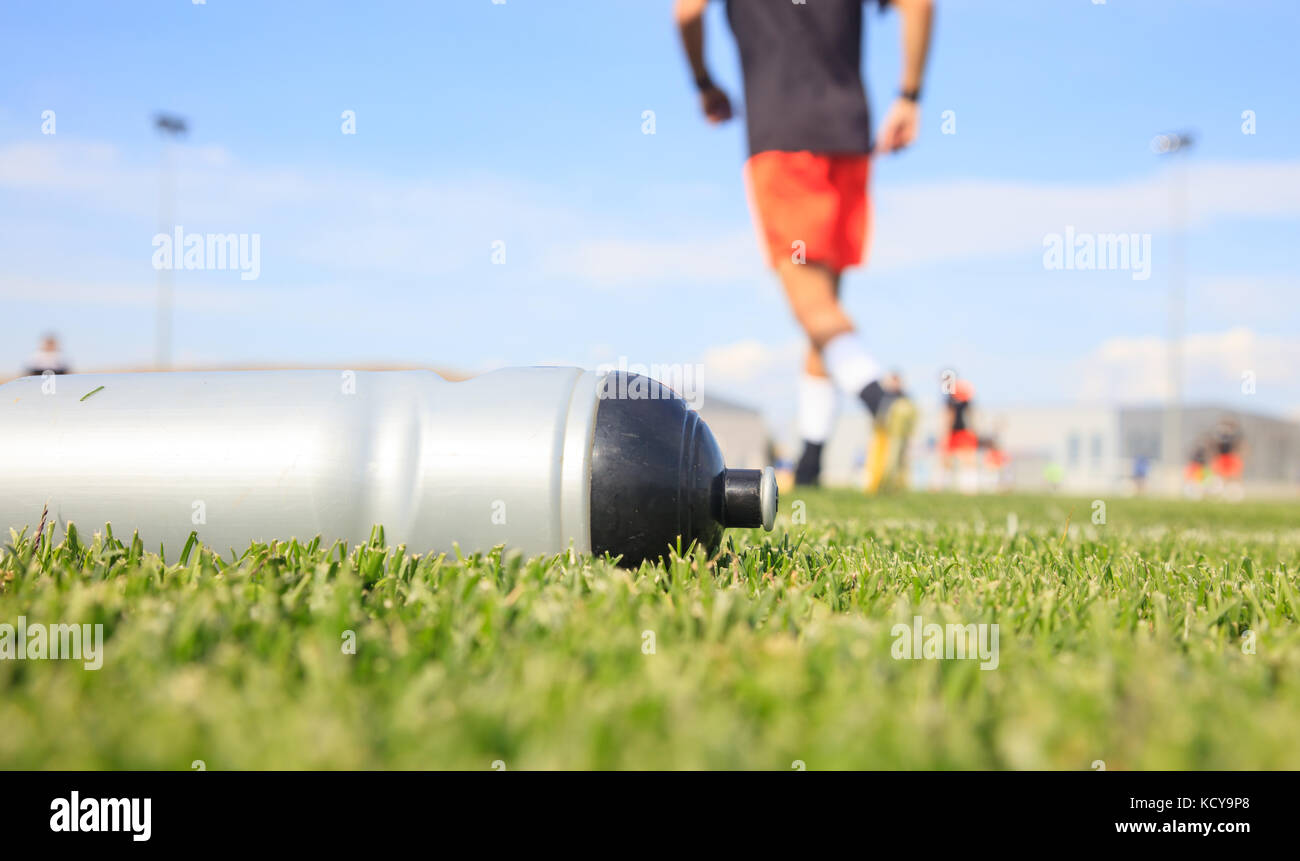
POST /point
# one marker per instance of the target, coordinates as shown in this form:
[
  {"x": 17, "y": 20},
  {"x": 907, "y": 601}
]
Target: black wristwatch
[
  {"x": 913, "y": 95},
  {"x": 704, "y": 82}
]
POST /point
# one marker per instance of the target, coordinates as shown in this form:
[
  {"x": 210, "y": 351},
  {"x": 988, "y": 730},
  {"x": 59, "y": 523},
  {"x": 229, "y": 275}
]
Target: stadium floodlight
[
  {"x": 1164, "y": 144},
  {"x": 544, "y": 460},
  {"x": 170, "y": 124},
  {"x": 170, "y": 127},
  {"x": 1175, "y": 143}
]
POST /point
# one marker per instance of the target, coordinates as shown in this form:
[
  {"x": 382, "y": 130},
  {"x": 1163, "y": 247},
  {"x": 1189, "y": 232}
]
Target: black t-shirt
[
  {"x": 803, "y": 84},
  {"x": 958, "y": 408}
]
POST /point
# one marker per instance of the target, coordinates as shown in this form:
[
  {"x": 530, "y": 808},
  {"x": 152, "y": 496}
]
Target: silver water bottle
[{"x": 537, "y": 459}]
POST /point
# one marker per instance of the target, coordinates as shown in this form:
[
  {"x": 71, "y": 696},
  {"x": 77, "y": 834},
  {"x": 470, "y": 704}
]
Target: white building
[
  {"x": 1084, "y": 449},
  {"x": 1077, "y": 447},
  {"x": 740, "y": 431}
]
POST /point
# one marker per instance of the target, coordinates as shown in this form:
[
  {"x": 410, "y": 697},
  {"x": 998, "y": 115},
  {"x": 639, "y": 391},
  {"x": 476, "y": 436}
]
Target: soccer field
[{"x": 1165, "y": 637}]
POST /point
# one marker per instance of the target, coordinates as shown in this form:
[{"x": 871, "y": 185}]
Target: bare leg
[
  {"x": 813, "y": 365},
  {"x": 813, "y": 291},
  {"x": 814, "y": 294},
  {"x": 834, "y": 350}
]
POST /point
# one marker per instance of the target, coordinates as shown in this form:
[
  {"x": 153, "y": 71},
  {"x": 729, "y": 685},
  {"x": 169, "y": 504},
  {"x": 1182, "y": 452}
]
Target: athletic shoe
[
  {"x": 892, "y": 427},
  {"x": 809, "y": 469}
]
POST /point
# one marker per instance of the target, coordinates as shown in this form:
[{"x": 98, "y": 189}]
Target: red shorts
[
  {"x": 810, "y": 207},
  {"x": 1228, "y": 466},
  {"x": 961, "y": 440}
]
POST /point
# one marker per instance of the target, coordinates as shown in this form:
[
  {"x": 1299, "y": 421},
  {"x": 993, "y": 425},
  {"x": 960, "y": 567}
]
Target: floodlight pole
[
  {"x": 170, "y": 127},
  {"x": 1172, "y": 444}
]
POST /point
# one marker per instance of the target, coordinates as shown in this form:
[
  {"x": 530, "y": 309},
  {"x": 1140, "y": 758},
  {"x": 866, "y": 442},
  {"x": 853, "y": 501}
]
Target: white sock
[
  {"x": 818, "y": 403},
  {"x": 849, "y": 363}
]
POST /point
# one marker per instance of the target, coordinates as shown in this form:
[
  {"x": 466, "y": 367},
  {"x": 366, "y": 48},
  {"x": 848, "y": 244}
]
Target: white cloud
[
  {"x": 95, "y": 176},
  {"x": 412, "y": 226},
  {"x": 759, "y": 374},
  {"x": 657, "y": 262},
  {"x": 926, "y": 224},
  {"x": 743, "y": 363},
  {"x": 940, "y": 222},
  {"x": 235, "y": 299},
  {"x": 350, "y": 220},
  {"x": 923, "y": 225},
  {"x": 1135, "y": 369},
  {"x": 1243, "y": 298}
]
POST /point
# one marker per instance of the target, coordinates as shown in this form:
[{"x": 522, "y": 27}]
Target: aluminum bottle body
[{"x": 504, "y": 458}]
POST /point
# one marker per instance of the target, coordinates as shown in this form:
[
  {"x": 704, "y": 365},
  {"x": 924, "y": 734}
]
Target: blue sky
[{"x": 522, "y": 122}]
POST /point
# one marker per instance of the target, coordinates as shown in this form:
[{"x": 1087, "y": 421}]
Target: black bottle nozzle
[
  {"x": 749, "y": 498},
  {"x": 657, "y": 475}
]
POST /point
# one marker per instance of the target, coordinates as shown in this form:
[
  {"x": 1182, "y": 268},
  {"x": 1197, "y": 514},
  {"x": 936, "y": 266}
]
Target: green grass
[{"x": 1120, "y": 642}]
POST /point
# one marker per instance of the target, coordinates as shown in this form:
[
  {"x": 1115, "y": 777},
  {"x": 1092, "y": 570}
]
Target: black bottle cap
[{"x": 657, "y": 474}]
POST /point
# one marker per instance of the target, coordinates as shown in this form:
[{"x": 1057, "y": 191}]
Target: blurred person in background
[
  {"x": 48, "y": 357},
  {"x": 1141, "y": 470},
  {"x": 960, "y": 443},
  {"x": 1054, "y": 476},
  {"x": 1195, "y": 474},
  {"x": 995, "y": 462},
  {"x": 1228, "y": 446},
  {"x": 810, "y": 146}
]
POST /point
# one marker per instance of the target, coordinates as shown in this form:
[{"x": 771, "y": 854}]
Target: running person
[
  {"x": 48, "y": 358},
  {"x": 1228, "y": 463},
  {"x": 960, "y": 443},
  {"x": 810, "y": 151},
  {"x": 1195, "y": 472}
]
